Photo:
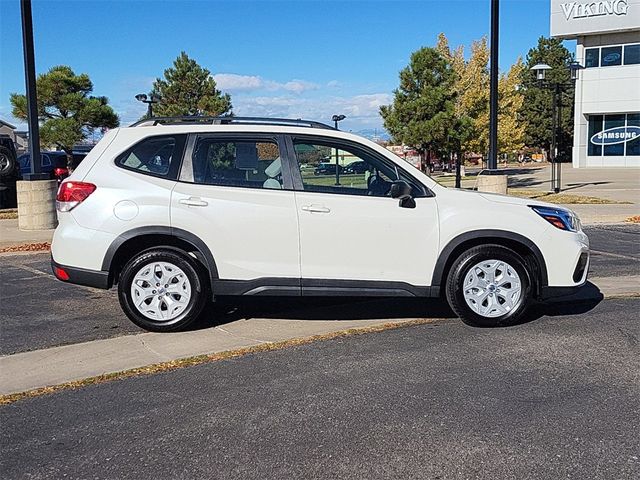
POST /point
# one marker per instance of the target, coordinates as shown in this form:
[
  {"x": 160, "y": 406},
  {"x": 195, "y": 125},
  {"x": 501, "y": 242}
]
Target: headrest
[{"x": 273, "y": 170}]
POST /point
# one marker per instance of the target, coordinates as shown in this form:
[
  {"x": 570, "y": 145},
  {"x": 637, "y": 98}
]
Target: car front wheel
[
  {"x": 489, "y": 286},
  {"x": 162, "y": 290}
]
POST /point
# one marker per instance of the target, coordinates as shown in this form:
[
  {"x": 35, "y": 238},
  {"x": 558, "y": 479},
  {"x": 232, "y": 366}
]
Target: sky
[{"x": 308, "y": 59}]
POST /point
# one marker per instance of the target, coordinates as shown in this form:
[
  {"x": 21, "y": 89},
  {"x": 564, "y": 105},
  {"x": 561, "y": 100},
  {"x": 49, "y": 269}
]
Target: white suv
[{"x": 181, "y": 211}]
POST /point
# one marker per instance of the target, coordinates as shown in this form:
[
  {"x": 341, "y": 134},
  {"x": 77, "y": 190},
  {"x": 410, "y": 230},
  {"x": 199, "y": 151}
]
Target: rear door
[{"x": 235, "y": 194}]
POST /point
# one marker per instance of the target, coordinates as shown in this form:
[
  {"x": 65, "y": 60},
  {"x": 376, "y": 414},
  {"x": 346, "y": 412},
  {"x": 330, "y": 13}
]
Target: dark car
[
  {"x": 54, "y": 163},
  {"x": 327, "y": 169},
  {"x": 356, "y": 167},
  {"x": 9, "y": 172}
]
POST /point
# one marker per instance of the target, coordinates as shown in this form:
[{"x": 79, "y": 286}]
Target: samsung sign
[
  {"x": 594, "y": 9},
  {"x": 611, "y": 136}
]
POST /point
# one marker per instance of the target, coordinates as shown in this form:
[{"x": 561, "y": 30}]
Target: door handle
[
  {"x": 193, "y": 202},
  {"x": 315, "y": 209}
]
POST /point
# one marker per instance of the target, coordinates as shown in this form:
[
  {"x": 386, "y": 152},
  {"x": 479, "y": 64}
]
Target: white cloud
[
  {"x": 233, "y": 82},
  {"x": 334, "y": 84},
  {"x": 361, "y": 110}
]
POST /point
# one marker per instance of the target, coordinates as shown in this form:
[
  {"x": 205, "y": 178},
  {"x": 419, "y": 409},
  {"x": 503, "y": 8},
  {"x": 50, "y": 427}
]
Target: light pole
[
  {"x": 557, "y": 88},
  {"x": 492, "y": 159},
  {"x": 336, "y": 119},
  {"x": 150, "y": 100},
  {"x": 32, "y": 101}
]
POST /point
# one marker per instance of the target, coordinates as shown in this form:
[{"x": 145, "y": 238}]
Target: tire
[
  {"x": 162, "y": 309},
  {"x": 482, "y": 299},
  {"x": 8, "y": 162}
]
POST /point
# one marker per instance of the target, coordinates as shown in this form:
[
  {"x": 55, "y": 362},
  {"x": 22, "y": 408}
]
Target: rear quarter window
[{"x": 157, "y": 156}]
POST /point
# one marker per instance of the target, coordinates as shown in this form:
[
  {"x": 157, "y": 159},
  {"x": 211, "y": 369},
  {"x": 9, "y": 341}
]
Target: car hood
[{"x": 508, "y": 199}]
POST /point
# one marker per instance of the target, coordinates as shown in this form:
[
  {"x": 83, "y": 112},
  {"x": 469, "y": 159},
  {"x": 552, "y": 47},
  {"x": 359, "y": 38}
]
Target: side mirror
[{"x": 402, "y": 191}]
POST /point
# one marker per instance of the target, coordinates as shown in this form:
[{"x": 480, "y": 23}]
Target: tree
[
  {"x": 472, "y": 91},
  {"x": 423, "y": 111},
  {"x": 189, "y": 89},
  {"x": 67, "y": 112},
  {"x": 537, "y": 107},
  {"x": 511, "y": 130}
]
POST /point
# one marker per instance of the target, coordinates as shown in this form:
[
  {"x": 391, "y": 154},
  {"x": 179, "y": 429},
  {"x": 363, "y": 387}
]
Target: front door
[
  {"x": 350, "y": 228},
  {"x": 232, "y": 195}
]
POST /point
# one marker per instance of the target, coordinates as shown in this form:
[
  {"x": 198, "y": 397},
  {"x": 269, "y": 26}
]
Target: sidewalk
[
  {"x": 10, "y": 235},
  {"x": 54, "y": 366}
]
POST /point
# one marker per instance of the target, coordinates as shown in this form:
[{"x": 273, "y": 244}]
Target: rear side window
[
  {"x": 156, "y": 156},
  {"x": 237, "y": 163}
]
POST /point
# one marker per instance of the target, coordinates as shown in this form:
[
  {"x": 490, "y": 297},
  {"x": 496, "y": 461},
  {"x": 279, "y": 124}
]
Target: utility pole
[{"x": 492, "y": 161}]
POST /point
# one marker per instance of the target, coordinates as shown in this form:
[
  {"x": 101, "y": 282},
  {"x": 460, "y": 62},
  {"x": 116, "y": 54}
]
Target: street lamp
[
  {"x": 153, "y": 98},
  {"x": 540, "y": 71},
  {"x": 336, "y": 119}
]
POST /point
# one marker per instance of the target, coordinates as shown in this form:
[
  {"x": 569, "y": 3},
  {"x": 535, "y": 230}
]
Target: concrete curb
[{"x": 54, "y": 366}]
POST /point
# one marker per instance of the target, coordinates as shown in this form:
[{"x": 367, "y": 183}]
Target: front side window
[
  {"x": 592, "y": 57},
  {"x": 237, "y": 163},
  {"x": 328, "y": 167},
  {"x": 632, "y": 54},
  {"x": 610, "y": 56},
  {"x": 153, "y": 155}
]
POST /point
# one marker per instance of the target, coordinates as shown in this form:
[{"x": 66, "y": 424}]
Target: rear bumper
[{"x": 81, "y": 276}]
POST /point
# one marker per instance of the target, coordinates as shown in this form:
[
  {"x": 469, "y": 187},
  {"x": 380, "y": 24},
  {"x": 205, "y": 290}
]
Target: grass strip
[
  {"x": 27, "y": 247},
  {"x": 9, "y": 214},
  {"x": 207, "y": 358},
  {"x": 634, "y": 219},
  {"x": 563, "y": 198}
]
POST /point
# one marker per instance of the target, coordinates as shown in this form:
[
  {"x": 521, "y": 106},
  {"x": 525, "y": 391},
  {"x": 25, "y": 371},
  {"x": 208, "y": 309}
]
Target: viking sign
[
  {"x": 594, "y": 9},
  {"x": 612, "y": 136}
]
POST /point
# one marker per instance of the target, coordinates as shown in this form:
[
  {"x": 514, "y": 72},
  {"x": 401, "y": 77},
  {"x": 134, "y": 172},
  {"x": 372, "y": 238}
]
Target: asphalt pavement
[
  {"x": 555, "y": 398},
  {"x": 37, "y": 311}
]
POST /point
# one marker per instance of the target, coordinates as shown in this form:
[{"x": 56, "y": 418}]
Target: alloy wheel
[{"x": 492, "y": 288}]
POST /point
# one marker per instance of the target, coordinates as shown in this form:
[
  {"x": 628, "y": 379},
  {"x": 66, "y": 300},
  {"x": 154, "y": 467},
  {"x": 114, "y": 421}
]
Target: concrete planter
[{"x": 37, "y": 204}]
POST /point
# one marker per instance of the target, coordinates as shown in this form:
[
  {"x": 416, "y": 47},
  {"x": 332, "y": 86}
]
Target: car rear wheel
[
  {"x": 8, "y": 164},
  {"x": 162, "y": 290},
  {"x": 489, "y": 286}
]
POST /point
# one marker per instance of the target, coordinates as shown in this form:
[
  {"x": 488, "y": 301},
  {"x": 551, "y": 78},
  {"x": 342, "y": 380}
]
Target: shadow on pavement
[{"x": 349, "y": 308}]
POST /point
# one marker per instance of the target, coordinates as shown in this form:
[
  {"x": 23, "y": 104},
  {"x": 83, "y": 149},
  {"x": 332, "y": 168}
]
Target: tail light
[
  {"x": 60, "y": 172},
  {"x": 72, "y": 194}
]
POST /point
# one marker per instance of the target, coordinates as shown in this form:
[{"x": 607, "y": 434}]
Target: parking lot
[
  {"x": 555, "y": 397},
  {"x": 38, "y": 311}
]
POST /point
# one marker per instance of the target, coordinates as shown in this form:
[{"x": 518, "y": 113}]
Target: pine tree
[
  {"x": 537, "y": 107},
  {"x": 67, "y": 111},
  {"x": 423, "y": 111},
  {"x": 189, "y": 89}
]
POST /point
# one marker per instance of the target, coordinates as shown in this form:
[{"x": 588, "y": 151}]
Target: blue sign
[{"x": 612, "y": 136}]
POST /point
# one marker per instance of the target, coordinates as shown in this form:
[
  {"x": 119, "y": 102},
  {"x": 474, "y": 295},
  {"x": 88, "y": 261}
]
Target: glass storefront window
[
  {"x": 632, "y": 54},
  {"x": 617, "y": 149},
  {"x": 622, "y": 126},
  {"x": 611, "y": 56},
  {"x": 595, "y": 126},
  {"x": 633, "y": 146},
  {"x": 592, "y": 57}
]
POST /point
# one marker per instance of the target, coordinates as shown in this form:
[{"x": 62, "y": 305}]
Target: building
[
  {"x": 20, "y": 139},
  {"x": 607, "y": 94}
]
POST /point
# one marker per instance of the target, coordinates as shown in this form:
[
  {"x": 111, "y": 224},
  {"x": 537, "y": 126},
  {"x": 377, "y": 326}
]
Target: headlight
[{"x": 559, "y": 217}]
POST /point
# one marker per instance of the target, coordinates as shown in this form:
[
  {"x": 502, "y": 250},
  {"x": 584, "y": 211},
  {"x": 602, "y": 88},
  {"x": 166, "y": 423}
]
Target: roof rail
[{"x": 228, "y": 120}]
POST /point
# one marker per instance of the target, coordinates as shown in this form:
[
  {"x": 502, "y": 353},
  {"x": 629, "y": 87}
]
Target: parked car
[
  {"x": 177, "y": 213},
  {"x": 53, "y": 163},
  {"x": 356, "y": 167},
  {"x": 327, "y": 169},
  {"x": 9, "y": 172}
]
